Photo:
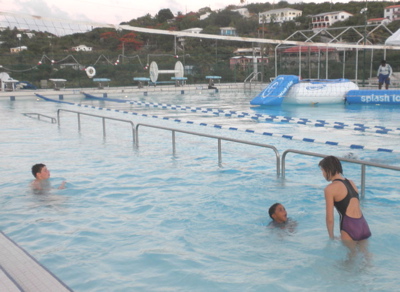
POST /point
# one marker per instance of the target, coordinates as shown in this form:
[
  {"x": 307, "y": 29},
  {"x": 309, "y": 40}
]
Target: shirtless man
[{"x": 42, "y": 174}]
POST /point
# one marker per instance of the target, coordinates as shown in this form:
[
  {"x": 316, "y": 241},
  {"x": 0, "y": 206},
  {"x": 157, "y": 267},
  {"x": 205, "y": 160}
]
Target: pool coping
[{"x": 22, "y": 272}]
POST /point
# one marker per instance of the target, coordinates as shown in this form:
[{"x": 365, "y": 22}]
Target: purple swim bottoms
[{"x": 356, "y": 228}]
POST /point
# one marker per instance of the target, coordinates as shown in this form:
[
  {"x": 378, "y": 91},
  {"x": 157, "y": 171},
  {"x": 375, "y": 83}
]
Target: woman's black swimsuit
[{"x": 356, "y": 228}]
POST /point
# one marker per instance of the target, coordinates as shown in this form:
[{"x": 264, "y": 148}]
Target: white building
[
  {"x": 380, "y": 20},
  {"x": 204, "y": 16},
  {"x": 18, "y": 49},
  {"x": 325, "y": 20},
  {"x": 392, "y": 12},
  {"x": 243, "y": 12},
  {"x": 82, "y": 48},
  {"x": 279, "y": 15},
  {"x": 195, "y": 30},
  {"x": 230, "y": 31}
]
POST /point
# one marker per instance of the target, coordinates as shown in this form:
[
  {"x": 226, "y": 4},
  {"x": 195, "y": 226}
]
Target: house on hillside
[
  {"x": 205, "y": 15},
  {"x": 243, "y": 62},
  {"x": 278, "y": 15},
  {"x": 195, "y": 30},
  {"x": 242, "y": 11},
  {"x": 380, "y": 20},
  {"x": 74, "y": 66},
  {"x": 82, "y": 48},
  {"x": 229, "y": 31},
  {"x": 325, "y": 20},
  {"x": 392, "y": 12},
  {"x": 18, "y": 49},
  {"x": 246, "y": 57},
  {"x": 289, "y": 57}
]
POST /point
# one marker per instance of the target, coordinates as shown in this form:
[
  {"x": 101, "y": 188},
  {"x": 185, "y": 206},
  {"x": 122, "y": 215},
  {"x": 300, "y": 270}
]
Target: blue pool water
[{"x": 143, "y": 219}]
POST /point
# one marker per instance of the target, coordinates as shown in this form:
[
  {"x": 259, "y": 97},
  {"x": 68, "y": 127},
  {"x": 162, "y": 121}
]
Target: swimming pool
[{"x": 147, "y": 220}]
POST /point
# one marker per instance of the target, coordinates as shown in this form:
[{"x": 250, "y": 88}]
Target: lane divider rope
[
  {"x": 260, "y": 117},
  {"x": 289, "y": 137}
]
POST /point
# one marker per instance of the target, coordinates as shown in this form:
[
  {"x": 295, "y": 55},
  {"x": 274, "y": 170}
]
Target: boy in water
[
  {"x": 42, "y": 174},
  {"x": 278, "y": 214}
]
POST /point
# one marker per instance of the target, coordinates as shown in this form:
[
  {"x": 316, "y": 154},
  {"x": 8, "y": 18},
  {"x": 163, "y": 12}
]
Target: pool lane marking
[
  {"x": 286, "y": 136},
  {"x": 260, "y": 117}
]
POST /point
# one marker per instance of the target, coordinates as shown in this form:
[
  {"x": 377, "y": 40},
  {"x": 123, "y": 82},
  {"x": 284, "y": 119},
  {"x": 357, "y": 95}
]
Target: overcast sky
[{"x": 116, "y": 11}]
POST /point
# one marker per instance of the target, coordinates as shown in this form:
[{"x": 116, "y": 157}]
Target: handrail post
[
  {"x": 104, "y": 127},
  {"x": 58, "y": 117},
  {"x": 79, "y": 122},
  {"x": 133, "y": 133},
  {"x": 363, "y": 181},
  {"x": 219, "y": 151},
  {"x": 173, "y": 142},
  {"x": 137, "y": 135}
]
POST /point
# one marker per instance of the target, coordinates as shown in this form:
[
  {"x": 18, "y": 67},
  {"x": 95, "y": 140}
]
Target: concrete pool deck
[
  {"x": 19, "y": 271},
  {"x": 127, "y": 89}
]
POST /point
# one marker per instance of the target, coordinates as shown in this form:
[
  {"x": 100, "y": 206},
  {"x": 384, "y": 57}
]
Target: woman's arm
[{"x": 329, "y": 211}]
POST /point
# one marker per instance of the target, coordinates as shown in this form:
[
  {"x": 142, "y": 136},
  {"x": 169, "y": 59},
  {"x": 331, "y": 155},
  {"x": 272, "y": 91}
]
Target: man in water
[
  {"x": 42, "y": 175},
  {"x": 384, "y": 73}
]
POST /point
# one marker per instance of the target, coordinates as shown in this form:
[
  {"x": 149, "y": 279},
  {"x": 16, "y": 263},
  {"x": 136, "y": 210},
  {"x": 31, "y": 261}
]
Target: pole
[{"x": 364, "y": 10}]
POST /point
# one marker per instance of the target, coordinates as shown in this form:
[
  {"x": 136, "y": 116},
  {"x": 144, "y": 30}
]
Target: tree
[{"x": 163, "y": 15}]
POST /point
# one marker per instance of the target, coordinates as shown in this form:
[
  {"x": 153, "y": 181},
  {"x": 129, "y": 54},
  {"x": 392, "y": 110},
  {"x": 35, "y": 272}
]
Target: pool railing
[
  {"x": 104, "y": 118},
  {"x": 355, "y": 161},
  {"x": 39, "y": 116},
  {"x": 280, "y": 163},
  {"x": 219, "y": 138}
]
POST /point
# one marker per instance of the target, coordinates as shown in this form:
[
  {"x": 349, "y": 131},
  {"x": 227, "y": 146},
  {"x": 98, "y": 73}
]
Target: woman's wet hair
[
  {"x": 331, "y": 165},
  {"x": 272, "y": 209}
]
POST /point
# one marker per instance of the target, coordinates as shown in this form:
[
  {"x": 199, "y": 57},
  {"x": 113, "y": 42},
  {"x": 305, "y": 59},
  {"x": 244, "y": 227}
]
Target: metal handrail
[
  {"x": 210, "y": 136},
  {"x": 53, "y": 120},
  {"x": 252, "y": 77},
  {"x": 97, "y": 116},
  {"x": 361, "y": 162}
]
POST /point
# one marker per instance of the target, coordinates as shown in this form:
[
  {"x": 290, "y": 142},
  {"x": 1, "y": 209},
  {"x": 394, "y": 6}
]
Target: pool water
[{"x": 145, "y": 219}]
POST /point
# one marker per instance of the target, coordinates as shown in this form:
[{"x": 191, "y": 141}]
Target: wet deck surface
[{"x": 21, "y": 272}]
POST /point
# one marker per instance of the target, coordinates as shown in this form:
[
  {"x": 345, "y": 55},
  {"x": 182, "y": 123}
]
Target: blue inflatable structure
[{"x": 274, "y": 93}]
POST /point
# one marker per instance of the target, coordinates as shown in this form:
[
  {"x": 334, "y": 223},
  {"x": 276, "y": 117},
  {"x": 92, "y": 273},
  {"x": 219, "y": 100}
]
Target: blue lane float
[{"x": 390, "y": 97}]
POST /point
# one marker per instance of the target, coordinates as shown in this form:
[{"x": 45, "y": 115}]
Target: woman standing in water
[{"x": 342, "y": 194}]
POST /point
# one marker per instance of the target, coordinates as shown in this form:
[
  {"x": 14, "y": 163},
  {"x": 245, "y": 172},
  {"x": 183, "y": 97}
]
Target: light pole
[
  {"x": 364, "y": 11},
  {"x": 19, "y": 42}
]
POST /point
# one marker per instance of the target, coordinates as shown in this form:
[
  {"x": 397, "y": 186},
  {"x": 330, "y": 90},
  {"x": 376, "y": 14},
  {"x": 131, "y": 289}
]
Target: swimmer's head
[
  {"x": 330, "y": 166},
  {"x": 278, "y": 213},
  {"x": 40, "y": 171}
]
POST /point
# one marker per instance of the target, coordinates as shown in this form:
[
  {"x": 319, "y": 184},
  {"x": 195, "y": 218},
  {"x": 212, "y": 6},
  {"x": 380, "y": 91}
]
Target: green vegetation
[{"x": 203, "y": 56}]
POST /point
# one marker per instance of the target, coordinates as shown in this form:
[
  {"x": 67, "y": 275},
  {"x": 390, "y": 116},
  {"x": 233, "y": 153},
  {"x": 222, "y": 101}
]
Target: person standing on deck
[{"x": 384, "y": 73}]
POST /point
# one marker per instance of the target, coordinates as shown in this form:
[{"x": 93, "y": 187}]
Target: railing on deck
[
  {"x": 361, "y": 162},
  {"x": 251, "y": 78}
]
